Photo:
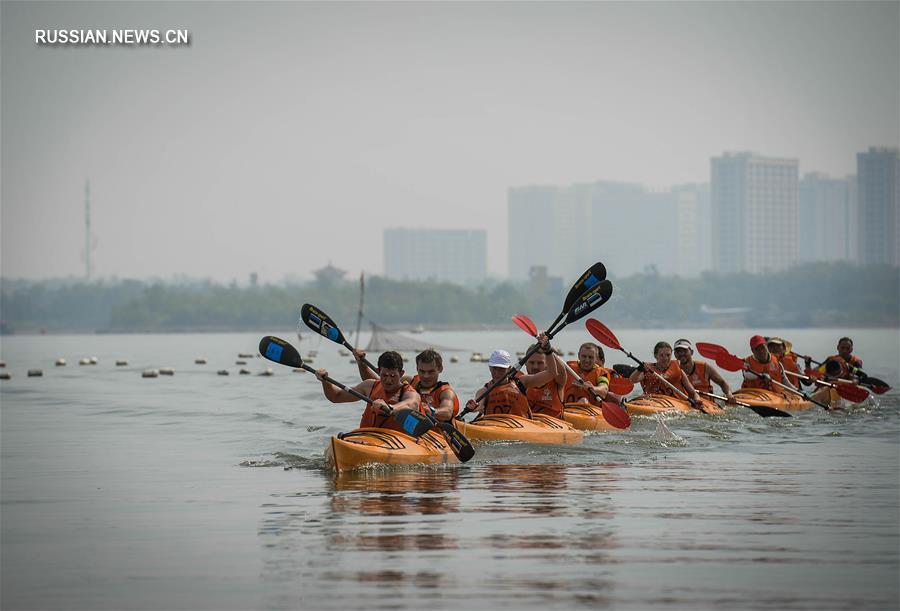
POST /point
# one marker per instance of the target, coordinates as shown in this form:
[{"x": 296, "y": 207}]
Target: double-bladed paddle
[
  {"x": 321, "y": 323},
  {"x": 606, "y": 337},
  {"x": 413, "y": 422},
  {"x": 730, "y": 362},
  {"x": 612, "y": 412},
  {"x": 763, "y": 410},
  {"x": 594, "y": 292}
]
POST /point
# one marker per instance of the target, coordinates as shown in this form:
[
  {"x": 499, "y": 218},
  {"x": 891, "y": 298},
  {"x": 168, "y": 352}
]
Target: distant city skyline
[{"x": 288, "y": 135}]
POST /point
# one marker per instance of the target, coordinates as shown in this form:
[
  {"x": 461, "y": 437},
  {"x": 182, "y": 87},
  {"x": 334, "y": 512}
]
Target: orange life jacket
[
  {"x": 507, "y": 398},
  {"x": 773, "y": 368},
  {"x": 594, "y": 377},
  {"x": 651, "y": 384},
  {"x": 789, "y": 362},
  {"x": 545, "y": 399},
  {"x": 698, "y": 378},
  {"x": 372, "y": 417},
  {"x": 432, "y": 398}
]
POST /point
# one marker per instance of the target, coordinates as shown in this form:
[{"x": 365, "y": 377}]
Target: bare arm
[
  {"x": 337, "y": 395},
  {"x": 445, "y": 409},
  {"x": 365, "y": 373},
  {"x": 717, "y": 378}
]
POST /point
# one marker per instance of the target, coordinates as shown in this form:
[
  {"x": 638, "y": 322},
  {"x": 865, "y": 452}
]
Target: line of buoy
[
  {"x": 267, "y": 372},
  {"x": 200, "y": 361},
  {"x": 84, "y": 361},
  {"x": 245, "y": 355},
  {"x": 166, "y": 371},
  {"x": 2, "y": 364},
  {"x": 35, "y": 373},
  {"x": 244, "y": 372},
  {"x": 222, "y": 372},
  {"x": 150, "y": 373},
  {"x": 121, "y": 363},
  {"x": 240, "y": 362}
]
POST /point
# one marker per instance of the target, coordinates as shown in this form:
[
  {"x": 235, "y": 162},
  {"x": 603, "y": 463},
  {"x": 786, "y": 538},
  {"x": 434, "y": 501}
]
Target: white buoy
[
  {"x": 60, "y": 362},
  {"x": 343, "y": 352},
  {"x": 84, "y": 361},
  {"x": 222, "y": 372},
  {"x": 454, "y": 359},
  {"x": 166, "y": 371},
  {"x": 200, "y": 361},
  {"x": 4, "y": 375},
  {"x": 267, "y": 372},
  {"x": 93, "y": 360},
  {"x": 121, "y": 363},
  {"x": 35, "y": 373},
  {"x": 150, "y": 373}
]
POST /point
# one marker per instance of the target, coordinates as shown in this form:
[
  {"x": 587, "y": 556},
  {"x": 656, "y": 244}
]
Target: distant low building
[
  {"x": 449, "y": 255},
  {"x": 329, "y": 275}
]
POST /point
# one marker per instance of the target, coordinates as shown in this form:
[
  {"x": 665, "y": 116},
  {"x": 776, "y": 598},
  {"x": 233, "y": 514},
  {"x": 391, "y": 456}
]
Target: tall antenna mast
[{"x": 89, "y": 241}]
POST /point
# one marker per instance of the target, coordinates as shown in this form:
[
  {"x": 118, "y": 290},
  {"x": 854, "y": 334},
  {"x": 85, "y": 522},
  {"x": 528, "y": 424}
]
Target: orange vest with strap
[
  {"x": 651, "y": 384},
  {"x": 545, "y": 399},
  {"x": 374, "y": 418},
  {"x": 432, "y": 398},
  {"x": 507, "y": 399},
  {"x": 789, "y": 362},
  {"x": 593, "y": 377},
  {"x": 699, "y": 378},
  {"x": 773, "y": 368}
]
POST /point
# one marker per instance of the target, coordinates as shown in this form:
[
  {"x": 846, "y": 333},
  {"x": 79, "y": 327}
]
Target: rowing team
[
  {"x": 548, "y": 384},
  {"x": 771, "y": 359}
]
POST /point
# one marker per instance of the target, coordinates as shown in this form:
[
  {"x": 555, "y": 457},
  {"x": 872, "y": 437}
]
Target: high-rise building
[
  {"x": 630, "y": 229},
  {"x": 754, "y": 213},
  {"x": 451, "y": 255},
  {"x": 878, "y": 176},
  {"x": 828, "y": 218}
]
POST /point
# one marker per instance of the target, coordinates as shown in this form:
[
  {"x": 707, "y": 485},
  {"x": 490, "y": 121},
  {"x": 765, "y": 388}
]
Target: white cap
[
  {"x": 500, "y": 358},
  {"x": 683, "y": 343}
]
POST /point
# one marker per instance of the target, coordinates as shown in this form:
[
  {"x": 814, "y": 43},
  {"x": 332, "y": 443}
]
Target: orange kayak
[
  {"x": 502, "y": 427},
  {"x": 586, "y": 417},
  {"x": 768, "y": 398},
  {"x": 373, "y": 446},
  {"x": 647, "y": 405}
]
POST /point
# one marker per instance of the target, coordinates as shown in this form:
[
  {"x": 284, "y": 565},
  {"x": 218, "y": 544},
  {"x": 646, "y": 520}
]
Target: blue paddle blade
[
  {"x": 413, "y": 423},
  {"x": 321, "y": 323},
  {"x": 279, "y": 351},
  {"x": 590, "y": 300}
]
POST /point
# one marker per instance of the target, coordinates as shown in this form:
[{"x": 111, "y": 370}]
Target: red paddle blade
[
  {"x": 621, "y": 386},
  {"x": 525, "y": 324},
  {"x": 853, "y": 394},
  {"x": 729, "y": 362},
  {"x": 602, "y": 334},
  {"x": 615, "y": 416},
  {"x": 880, "y": 389},
  {"x": 710, "y": 351}
]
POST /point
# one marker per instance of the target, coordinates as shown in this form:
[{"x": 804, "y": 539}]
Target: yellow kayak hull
[
  {"x": 586, "y": 417},
  {"x": 501, "y": 427},
  {"x": 374, "y": 446},
  {"x": 648, "y": 405},
  {"x": 768, "y": 398}
]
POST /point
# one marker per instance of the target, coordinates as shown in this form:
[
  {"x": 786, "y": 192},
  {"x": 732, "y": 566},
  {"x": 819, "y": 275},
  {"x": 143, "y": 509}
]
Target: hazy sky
[{"x": 291, "y": 134}]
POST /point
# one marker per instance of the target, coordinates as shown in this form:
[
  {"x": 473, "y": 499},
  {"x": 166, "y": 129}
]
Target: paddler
[
  {"x": 438, "y": 398},
  {"x": 844, "y": 365},
  {"x": 591, "y": 375},
  {"x": 700, "y": 373},
  {"x": 547, "y": 398},
  {"x": 387, "y": 392},
  {"x": 778, "y": 348},
  {"x": 765, "y": 365},
  {"x": 665, "y": 367},
  {"x": 510, "y": 397}
]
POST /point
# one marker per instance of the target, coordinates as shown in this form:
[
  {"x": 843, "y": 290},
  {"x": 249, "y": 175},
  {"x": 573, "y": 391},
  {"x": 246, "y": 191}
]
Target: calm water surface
[{"x": 204, "y": 492}]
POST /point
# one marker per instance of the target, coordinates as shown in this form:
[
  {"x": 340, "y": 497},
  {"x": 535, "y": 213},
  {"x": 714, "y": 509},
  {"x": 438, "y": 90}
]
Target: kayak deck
[
  {"x": 374, "y": 446},
  {"x": 586, "y": 417},
  {"x": 504, "y": 427},
  {"x": 768, "y": 398},
  {"x": 648, "y": 405}
]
